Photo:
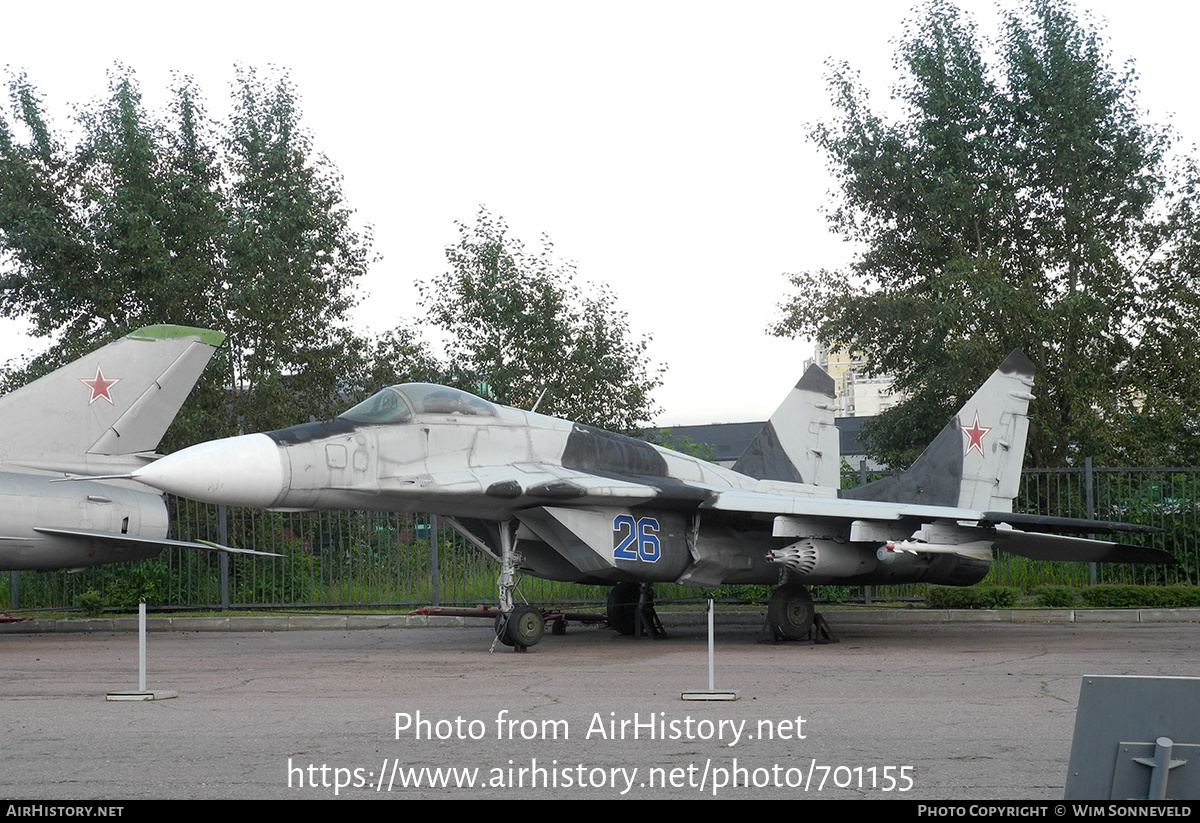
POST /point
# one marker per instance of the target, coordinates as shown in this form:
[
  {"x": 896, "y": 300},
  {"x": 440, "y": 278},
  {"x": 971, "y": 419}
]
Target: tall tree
[
  {"x": 293, "y": 255},
  {"x": 1011, "y": 206},
  {"x": 520, "y": 328},
  {"x": 241, "y": 228},
  {"x": 44, "y": 231}
]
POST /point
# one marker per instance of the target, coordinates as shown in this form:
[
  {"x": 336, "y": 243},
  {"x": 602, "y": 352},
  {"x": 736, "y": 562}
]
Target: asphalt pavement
[{"x": 941, "y": 710}]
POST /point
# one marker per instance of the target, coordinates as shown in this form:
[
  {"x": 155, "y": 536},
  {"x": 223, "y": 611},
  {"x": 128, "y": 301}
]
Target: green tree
[
  {"x": 240, "y": 227},
  {"x": 683, "y": 444},
  {"x": 1010, "y": 206},
  {"x": 43, "y": 230},
  {"x": 1168, "y": 349},
  {"x": 293, "y": 257},
  {"x": 523, "y": 332},
  {"x": 397, "y": 356}
]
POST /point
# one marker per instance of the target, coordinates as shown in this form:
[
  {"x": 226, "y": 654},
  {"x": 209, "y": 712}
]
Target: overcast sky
[{"x": 660, "y": 145}]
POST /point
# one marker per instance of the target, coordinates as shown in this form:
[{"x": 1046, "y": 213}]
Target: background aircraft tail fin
[
  {"x": 975, "y": 462},
  {"x": 116, "y": 401},
  {"x": 799, "y": 444}
]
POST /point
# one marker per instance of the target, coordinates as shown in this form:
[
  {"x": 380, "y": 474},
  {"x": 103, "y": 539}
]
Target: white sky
[{"x": 660, "y": 144}]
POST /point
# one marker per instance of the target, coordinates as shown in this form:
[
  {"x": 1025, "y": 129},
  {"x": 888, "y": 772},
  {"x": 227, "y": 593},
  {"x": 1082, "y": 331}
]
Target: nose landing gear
[{"x": 521, "y": 628}]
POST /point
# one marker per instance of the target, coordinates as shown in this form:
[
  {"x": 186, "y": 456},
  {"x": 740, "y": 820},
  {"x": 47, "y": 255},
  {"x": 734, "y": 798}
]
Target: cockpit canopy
[{"x": 398, "y": 404}]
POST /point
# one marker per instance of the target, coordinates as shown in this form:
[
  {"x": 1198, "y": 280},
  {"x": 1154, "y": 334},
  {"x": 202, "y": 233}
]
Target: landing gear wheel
[
  {"x": 526, "y": 626},
  {"x": 622, "y": 608},
  {"x": 790, "y": 612}
]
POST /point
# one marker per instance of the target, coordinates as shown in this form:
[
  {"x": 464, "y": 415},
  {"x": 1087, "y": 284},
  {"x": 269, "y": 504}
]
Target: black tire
[
  {"x": 622, "y": 606},
  {"x": 790, "y": 611},
  {"x": 526, "y": 626},
  {"x": 558, "y": 627}
]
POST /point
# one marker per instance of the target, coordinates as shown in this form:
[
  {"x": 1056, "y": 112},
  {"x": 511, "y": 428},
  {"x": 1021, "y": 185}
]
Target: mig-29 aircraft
[
  {"x": 100, "y": 415},
  {"x": 564, "y": 501}
]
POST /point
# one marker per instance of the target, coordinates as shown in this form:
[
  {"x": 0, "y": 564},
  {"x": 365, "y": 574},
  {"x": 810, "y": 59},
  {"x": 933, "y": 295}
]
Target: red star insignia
[
  {"x": 100, "y": 387},
  {"x": 975, "y": 436}
]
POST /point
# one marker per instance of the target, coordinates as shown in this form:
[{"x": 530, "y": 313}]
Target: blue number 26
[{"x": 643, "y": 532}]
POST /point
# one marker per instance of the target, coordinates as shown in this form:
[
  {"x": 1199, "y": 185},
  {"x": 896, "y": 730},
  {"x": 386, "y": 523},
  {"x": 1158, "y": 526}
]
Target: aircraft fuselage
[
  {"x": 29, "y": 502},
  {"x": 592, "y": 506}
]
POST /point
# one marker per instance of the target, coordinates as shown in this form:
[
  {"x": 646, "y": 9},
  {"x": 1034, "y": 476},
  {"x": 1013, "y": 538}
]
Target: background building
[
  {"x": 859, "y": 393},
  {"x": 723, "y": 443}
]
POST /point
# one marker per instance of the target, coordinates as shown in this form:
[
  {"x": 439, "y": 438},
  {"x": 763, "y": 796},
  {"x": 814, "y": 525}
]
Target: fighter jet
[
  {"x": 564, "y": 501},
  {"x": 101, "y": 415}
]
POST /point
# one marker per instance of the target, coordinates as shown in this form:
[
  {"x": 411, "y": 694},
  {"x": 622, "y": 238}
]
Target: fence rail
[{"x": 370, "y": 559}]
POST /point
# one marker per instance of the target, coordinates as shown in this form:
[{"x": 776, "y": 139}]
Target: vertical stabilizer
[
  {"x": 975, "y": 462},
  {"x": 799, "y": 444},
  {"x": 115, "y": 402}
]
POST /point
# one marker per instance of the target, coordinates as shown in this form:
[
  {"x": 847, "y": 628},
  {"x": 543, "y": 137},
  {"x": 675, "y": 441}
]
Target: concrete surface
[
  {"x": 283, "y": 621},
  {"x": 980, "y": 710}
]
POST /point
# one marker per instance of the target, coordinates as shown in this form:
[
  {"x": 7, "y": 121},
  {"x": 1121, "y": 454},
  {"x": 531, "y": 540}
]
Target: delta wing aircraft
[
  {"x": 101, "y": 415},
  {"x": 564, "y": 501}
]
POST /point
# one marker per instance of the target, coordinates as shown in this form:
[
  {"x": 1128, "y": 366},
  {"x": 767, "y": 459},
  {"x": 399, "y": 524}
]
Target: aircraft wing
[
  {"x": 752, "y": 502},
  {"x": 874, "y": 519},
  {"x": 86, "y": 534},
  {"x": 1038, "y": 546},
  {"x": 1064, "y": 525}
]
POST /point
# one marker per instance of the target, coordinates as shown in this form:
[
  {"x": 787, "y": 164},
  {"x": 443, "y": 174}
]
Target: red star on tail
[
  {"x": 975, "y": 436},
  {"x": 100, "y": 387}
]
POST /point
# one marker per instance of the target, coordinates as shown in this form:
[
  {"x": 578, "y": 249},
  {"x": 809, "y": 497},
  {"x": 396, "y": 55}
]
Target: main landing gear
[
  {"x": 631, "y": 611},
  {"x": 790, "y": 612}
]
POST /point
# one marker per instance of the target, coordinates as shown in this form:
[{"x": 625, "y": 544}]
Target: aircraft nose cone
[{"x": 237, "y": 471}]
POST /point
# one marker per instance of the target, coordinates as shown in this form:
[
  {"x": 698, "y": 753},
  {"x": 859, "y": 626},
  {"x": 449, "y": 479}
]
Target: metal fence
[
  {"x": 330, "y": 559},
  {"x": 1163, "y": 497},
  {"x": 380, "y": 559},
  {"x": 1167, "y": 498}
]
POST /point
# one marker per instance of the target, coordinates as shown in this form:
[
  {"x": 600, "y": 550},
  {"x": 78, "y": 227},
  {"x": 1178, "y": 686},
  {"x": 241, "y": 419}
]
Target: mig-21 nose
[{"x": 237, "y": 471}]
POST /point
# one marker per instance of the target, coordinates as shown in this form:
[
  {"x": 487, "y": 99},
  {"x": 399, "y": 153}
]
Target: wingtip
[{"x": 209, "y": 544}]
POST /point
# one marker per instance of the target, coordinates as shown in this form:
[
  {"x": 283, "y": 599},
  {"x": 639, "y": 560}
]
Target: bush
[
  {"x": 944, "y": 597},
  {"x": 1112, "y": 596},
  {"x": 830, "y": 595},
  {"x": 90, "y": 603},
  {"x": 1056, "y": 597},
  {"x": 741, "y": 592},
  {"x": 973, "y": 597},
  {"x": 996, "y": 597},
  {"x": 149, "y": 580}
]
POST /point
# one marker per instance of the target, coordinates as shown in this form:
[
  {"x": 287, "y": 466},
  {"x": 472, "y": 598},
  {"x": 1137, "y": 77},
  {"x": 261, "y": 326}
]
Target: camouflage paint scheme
[{"x": 565, "y": 501}]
